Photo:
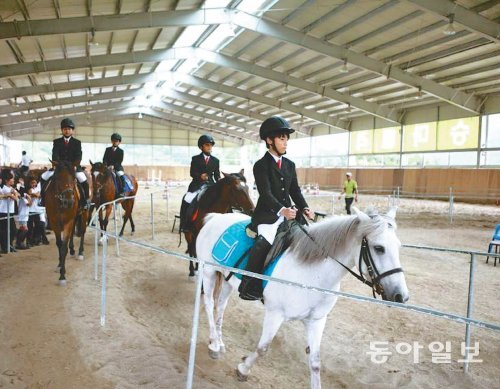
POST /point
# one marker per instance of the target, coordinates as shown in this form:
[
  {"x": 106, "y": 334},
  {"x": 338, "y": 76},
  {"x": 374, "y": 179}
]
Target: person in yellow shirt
[{"x": 351, "y": 192}]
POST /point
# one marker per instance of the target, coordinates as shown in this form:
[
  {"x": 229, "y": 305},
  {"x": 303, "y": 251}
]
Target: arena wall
[{"x": 465, "y": 183}]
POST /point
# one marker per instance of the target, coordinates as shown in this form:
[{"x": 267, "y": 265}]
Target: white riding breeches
[
  {"x": 46, "y": 175},
  {"x": 80, "y": 176},
  {"x": 120, "y": 173},
  {"x": 268, "y": 231},
  {"x": 189, "y": 197}
]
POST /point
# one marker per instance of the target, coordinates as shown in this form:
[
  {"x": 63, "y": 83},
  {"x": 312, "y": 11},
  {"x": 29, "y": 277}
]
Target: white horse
[{"x": 320, "y": 258}]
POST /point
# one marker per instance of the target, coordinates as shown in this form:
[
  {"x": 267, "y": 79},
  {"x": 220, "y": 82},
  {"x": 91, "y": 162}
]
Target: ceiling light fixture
[
  {"x": 16, "y": 104},
  {"x": 140, "y": 115},
  {"x": 344, "y": 68},
  {"x": 92, "y": 41},
  {"x": 450, "y": 29},
  {"x": 348, "y": 109},
  {"x": 91, "y": 73},
  {"x": 420, "y": 94}
]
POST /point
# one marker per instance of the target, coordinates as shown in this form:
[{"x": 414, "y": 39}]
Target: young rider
[{"x": 276, "y": 181}]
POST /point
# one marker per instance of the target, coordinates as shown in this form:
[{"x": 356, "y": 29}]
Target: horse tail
[{"x": 217, "y": 289}]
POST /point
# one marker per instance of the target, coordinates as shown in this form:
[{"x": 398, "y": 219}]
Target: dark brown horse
[
  {"x": 226, "y": 195},
  {"x": 104, "y": 192},
  {"x": 62, "y": 200}
]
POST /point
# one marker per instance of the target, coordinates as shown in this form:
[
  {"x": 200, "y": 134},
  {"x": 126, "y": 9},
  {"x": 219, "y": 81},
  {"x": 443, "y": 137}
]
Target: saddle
[
  {"x": 127, "y": 186},
  {"x": 193, "y": 208},
  {"x": 233, "y": 247}
]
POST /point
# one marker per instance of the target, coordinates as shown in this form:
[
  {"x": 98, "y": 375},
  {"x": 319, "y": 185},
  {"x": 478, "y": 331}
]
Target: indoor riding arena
[{"x": 391, "y": 105}]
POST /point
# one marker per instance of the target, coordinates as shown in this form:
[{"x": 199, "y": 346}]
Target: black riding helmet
[
  {"x": 67, "y": 122},
  {"x": 273, "y": 126},
  {"x": 116, "y": 136},
  {"x": 205, "y": 139}
]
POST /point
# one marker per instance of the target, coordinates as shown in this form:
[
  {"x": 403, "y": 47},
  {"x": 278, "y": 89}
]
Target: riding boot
[
  {"x": 121, "y": 186},
  {"x": 251, "y": 288},
  {"x": 21, "y": 235},
  {"x": 43, "y": 185},
  {"x": 86, "y": 201}
]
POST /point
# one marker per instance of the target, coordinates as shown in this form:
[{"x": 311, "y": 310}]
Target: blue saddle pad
[
  {"x": 128, "y": 184},
  {"x": 128, "y": 187},
  {"x": 233, "y": 244}
]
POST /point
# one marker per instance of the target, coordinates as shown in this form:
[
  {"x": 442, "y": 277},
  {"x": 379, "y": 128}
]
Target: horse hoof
[
  {"x": 213, "y": 354},
  {"x": 132, "y": 233},
  {"x": 241, "y": 376},
  {"x": 80, "y": 257},
  {"x": 191, "y": 278},
  {"x": 62, "y": 282}
]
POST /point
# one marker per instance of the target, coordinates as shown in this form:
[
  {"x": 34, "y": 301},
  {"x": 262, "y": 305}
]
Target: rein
[{"x": 365, "y": 256}]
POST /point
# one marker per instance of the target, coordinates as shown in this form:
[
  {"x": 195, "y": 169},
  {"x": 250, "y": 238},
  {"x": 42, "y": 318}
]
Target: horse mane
[
  {"x": 334, "y": 236},
  {"x": 98, "y": 166},
  {"x": 214, "y": 192},
  {"x": 65, "y": 165}
]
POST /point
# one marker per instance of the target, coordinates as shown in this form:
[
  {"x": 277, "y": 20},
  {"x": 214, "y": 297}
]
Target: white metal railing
[{"x": 468, "y": 320}]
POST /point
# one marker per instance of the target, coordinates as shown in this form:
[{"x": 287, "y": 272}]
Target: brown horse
[
  {"x": 228, "y": 194},
  {"x": 104, "y": 192},
  {"x": 62, "y": 199}
]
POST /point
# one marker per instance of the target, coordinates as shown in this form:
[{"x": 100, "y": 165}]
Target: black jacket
[
  {"x": 198, "y": 167},
  {"x": 113, "y": 158},
  {"x": 71, "y": 152},
  {"x": 276, "y": 187}
]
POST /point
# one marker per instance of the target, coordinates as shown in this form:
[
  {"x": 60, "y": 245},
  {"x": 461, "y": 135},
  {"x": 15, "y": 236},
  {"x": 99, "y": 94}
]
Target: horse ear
[
  {"x": 242, "y": 172},
  {"x": 225, "y": 174},
  {"x": 360, "y": 214},
  {"x": 392, "y": 212},
  {"x": 91, "y": 164},
  {"x": 54, "y": 163}
]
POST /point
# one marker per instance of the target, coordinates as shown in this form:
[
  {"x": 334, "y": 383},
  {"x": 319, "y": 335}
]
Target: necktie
[
  {"x": 278, "y": 163},
  {"x": 206, "y": 160},
  {"x": 66, "y": 141}
]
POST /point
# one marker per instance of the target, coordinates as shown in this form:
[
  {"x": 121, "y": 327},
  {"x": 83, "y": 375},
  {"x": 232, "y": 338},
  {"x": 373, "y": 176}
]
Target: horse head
[
  {"x": 379, "y": 255},
  {"x": 99, "y": 173},
  {"x": 236, "y": 191},
  {"x": 64, "y": 183}
]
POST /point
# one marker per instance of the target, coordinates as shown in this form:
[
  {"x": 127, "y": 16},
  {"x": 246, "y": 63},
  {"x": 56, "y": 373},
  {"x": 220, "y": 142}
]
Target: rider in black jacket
[
  {"x": 204, "y": 171},
  {"x": 276, "y": 181},
  {"x": 67, "y": 148},
  {"x": 113, "y": 156}
]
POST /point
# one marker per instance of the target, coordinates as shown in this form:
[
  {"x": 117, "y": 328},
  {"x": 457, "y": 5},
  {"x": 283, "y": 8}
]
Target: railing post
[
  {"x": 152, "y": 218},
  {"x": 450, "y": 210},
  {"x": 8, "y": 225},
  {"x": 103, "y": 279},
  {"x": 96, "y": 253},
  {"x": 194, "y": 332},
  {"x": 117, "y": 241},
  {"x": 470, "y": 304}
]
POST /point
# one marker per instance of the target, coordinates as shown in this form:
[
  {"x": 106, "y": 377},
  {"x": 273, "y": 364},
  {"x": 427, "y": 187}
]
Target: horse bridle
[
  {"x": 365, "y": 256},
  {"x": 66, "y": 202}
]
